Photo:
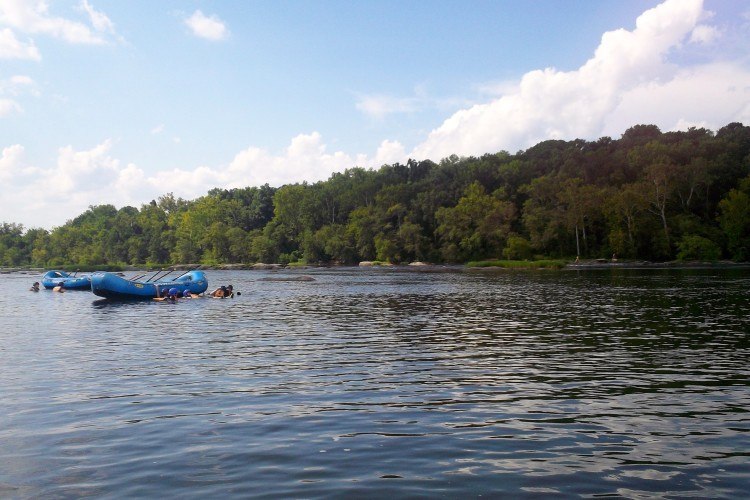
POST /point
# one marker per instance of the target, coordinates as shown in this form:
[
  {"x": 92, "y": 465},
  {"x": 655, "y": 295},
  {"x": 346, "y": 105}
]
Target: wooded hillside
[{"x": 648, "y": 195}]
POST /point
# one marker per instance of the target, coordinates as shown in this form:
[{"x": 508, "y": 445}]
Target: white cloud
[
  {"x": 158, "y": 129},
  {"x": 21, "y": 80},
  {"x": 10, "y": 161},
  {"x": 683, "y": 100},
  {"x": 704, "y": 34},
  {"x": 15, "y": 86},
  {"x": 12, "y": 48},
  {"x": 17, "y": 188},
  {"x": 389, "y": 152},
  {"x": 34, "y": 17},
  {"x": 82, "y": 170},
  {"x": 99, "y": 20},
  {"x": 628, "y": 76},
  {"x": 208, "y": 27},
  {"x": 8, "y": 107},
  {"x": 497, "y": 89},
  {"x": 51, "y": 196},
  {"x": 305, "y": 159},
  {"x": 378, "y": 106}
]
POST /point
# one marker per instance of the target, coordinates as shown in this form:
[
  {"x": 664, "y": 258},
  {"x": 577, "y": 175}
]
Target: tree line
[{"x": 649, "y": 195}]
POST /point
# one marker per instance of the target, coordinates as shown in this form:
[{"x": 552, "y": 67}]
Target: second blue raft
[{"x": 53, "y": 278}]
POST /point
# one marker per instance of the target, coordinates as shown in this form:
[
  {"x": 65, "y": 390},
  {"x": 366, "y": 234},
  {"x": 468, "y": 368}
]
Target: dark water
[{"x": 383, "y": 383}]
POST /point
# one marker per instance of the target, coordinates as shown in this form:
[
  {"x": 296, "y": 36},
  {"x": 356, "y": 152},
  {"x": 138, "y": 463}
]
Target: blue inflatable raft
[
  {"x": 70, "y": 282},
  {"x": 116, "y": 286}
]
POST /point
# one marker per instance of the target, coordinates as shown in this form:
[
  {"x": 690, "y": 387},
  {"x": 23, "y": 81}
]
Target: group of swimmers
[
  {"x": 173, "y": 294},
  {"x": 58, "y": 288}
]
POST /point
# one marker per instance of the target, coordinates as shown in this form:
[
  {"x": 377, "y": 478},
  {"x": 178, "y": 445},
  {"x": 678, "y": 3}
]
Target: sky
[{"x": 105, "y": 101}]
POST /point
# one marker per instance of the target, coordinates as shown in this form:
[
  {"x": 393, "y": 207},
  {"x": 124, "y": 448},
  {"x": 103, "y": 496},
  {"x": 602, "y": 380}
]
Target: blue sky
[{"x": 105, "y": 101}]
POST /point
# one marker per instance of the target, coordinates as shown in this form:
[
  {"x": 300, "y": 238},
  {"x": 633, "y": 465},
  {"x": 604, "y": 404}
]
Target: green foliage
[
  {"x": 693, "y": 247},
  {"x": 648, "y": 195},
  {"x": 517, "y": 248},
  {"x": 735, "y": 220},
  {"x": 476, "y": 227}
]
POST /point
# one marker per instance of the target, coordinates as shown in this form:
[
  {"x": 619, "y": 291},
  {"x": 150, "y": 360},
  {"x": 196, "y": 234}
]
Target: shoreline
[{"x": 423, "y": 267}]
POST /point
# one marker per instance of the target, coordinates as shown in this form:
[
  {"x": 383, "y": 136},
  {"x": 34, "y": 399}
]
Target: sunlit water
[{"x": 383, "y": 383}]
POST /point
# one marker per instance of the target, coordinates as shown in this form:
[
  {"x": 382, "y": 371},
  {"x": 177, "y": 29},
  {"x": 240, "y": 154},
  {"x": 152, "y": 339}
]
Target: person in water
[
  {"x": 171, "y": 295},
  {"x": 59, "y": 288},
  {"x": 223, "y": 292},
  {"x": 35, "y": 287}
]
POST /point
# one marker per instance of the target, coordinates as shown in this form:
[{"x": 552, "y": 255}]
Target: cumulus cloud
[
  {"x": 388, "y": 152},
  {"x": 98, "y": 19},
  {"x": 306, "y": 158},
  {"x": 8, "y": 107},
  {"x": 378, "y": 106},
  {"x": 53, "y": 195},
  {"x": 12, "y": 48},
  {"x": 208, "y": 27},
  {"x": 12, "y": 87},
  {"x": 704, "y": 34},
  {"x": 34, "y": 17},
  {"x": 628, "y": 70},
  {"x": 683, "y": 100},
  {"x": 10, "y": 161},
  {"x": 18, "y": 84},
  {"x": 17, "y": 188}
]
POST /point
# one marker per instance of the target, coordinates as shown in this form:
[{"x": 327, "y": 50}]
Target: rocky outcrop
[{"x": 262, "y": 266}]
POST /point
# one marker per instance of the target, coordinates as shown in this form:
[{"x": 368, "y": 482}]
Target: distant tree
[
  {"x": 623, "y": 208},
  {"x": 477, "y": 227},
  {"x": 517, "y": 248},
  {"x": 694, "y": 247},
  {"x": 734, "y": 220}
]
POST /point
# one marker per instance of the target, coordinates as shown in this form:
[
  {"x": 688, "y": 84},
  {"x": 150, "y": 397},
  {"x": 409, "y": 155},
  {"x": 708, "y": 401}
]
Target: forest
[{"x": 650, "y": 195}]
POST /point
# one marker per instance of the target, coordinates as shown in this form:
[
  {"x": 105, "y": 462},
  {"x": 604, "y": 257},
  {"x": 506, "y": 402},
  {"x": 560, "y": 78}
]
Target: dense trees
[{"x": 648, "y": 195}]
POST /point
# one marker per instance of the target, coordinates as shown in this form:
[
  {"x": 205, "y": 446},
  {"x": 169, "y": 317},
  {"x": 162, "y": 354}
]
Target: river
[{"x": 377, "y": 383}]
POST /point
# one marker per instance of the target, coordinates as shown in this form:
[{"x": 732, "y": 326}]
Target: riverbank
[
  {"x": 422, "y": 266},
  {"x": 642, "y": 264}
]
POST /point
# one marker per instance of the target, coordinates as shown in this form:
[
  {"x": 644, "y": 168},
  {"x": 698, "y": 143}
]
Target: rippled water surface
[{"x": 383, "y": 383}]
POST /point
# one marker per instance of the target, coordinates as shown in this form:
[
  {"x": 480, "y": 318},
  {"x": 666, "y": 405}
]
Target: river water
[{"x": 372, "y": 383}]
